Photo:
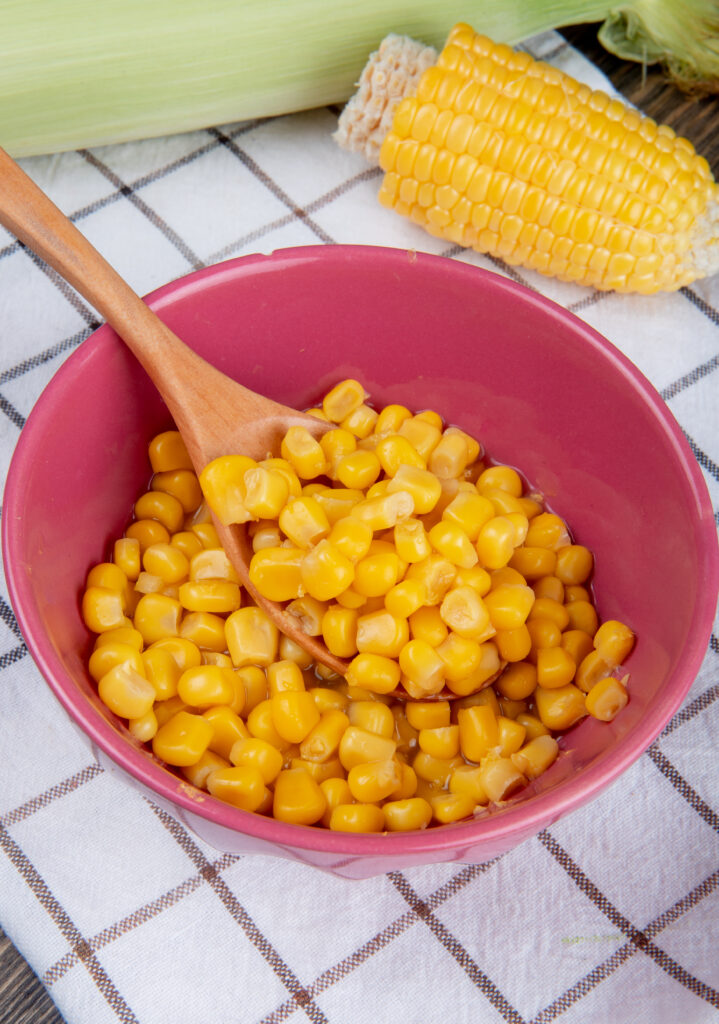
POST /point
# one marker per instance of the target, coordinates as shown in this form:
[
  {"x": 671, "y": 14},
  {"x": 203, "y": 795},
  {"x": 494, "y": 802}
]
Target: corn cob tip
[{"x": 391, "y": 73}]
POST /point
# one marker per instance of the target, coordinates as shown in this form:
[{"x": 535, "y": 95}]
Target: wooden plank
[{"x": 23, "y": 1000}]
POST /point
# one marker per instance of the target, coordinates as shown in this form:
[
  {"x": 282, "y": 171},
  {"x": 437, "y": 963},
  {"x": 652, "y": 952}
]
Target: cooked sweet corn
[
  {"x": 424, "y": 581},
  {"x": 493, "y": 150}
]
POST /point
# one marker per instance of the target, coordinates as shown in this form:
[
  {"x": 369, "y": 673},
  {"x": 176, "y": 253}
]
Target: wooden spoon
[{"x": 214, "y": 414}]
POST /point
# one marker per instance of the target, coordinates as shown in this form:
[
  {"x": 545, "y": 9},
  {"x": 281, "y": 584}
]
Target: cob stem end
[{"x": 391, "y": 73}]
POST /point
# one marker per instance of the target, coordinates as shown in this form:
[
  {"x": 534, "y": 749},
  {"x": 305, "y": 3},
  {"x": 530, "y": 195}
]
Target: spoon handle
[{"x": 33, "y": 218}]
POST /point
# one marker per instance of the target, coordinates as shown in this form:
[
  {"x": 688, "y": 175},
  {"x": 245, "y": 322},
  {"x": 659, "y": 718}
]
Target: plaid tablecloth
[{"x": 610, "y": 915}]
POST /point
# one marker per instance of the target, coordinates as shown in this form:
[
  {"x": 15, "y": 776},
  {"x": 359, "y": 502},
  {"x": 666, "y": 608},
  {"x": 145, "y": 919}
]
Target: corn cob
[{"x": 490, "y": 149}]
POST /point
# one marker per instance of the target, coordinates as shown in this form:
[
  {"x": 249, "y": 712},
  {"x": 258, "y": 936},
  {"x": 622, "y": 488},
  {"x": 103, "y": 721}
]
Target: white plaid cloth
[{"x": 609, "y": 915}]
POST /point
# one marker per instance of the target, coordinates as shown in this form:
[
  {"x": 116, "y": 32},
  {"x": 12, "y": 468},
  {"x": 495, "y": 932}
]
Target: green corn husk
[{"x": 75, "y": 74}]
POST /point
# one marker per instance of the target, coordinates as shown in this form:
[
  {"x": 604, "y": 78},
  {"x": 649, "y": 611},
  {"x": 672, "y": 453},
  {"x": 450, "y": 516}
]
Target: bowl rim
[{"x": 545, "y": 807}]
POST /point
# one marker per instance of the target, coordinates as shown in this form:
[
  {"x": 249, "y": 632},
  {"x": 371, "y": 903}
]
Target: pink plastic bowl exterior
[{"x": 541, "y": 389}]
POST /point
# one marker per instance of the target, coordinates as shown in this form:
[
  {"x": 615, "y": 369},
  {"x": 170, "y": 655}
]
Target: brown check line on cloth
[{"x": 125, "y": 915}]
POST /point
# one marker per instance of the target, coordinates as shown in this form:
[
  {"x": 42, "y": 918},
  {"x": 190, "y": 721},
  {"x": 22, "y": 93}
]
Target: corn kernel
[
  {"x": 427, "y": 624},
  {"x": 373, "y": 781},
  {"x": 513, "y": 644},
  {"x": 470, "y": 511},
  {"x": 407, "y": 815},
  {"x": 511, "y": 735},
  {"x": 198, "y": 773},
  {"x": 555, "y": 667},
  {"x": 206, "y": 630},
  {"x": 343, "y": 399},
  {"x": 298, "y": 798},
  {"x": 259, "y": 754},
  {"x": 614, "y": 641},
  {"x": 423, "y": 665},
  {"x": 223, "y": 484},
  {"x": 574, "y": 564},
  {"x": 442, "y": 742},
  {"x": 283, "y": 676},
  {"x": 351, "y": 537},
  {"x": 289, "y": 650},
  {"x": 450, "y": 540},
  {"x": 207, "y": 535},
  {"x": 590, "y": 670},
  {"x": 325, "y": 572},
  {"x": 103, "y": 609},
  {"x": 242, "y": 786},
  {"x": 336, "y": 791},
  {"x": 260, "y": 723},
  {"x": 606, "y": 699},
  {"x": 361, "y": 421},
  {"x": 147, "y": 532},
  {"x": 322, "y": 742},
  {"x": 495, "y": 542},
  {"x": 466, "y": 779},
  {"x": 127, "y": 556},
  {"x": 303, "y": 453},
  {"x": 157, "y": 616},
  {"x": 465, "y": 613},
  {"x": 478, "y": 731},
  {"x": 182, "y": 484},
  {"x": 500, "y": 778},
  {"x": 534, "y": 562},
  {"x": 205, "y": 685},
  {"x": 536, "y": 756},
  {"x": 583, "y": 615},
  {"x": 162, "y": 507},
  {"x": 450, "y": 456},
  {"x": 549, "y": 586},
  {"x": 336, "y": 443},
  {"x": 303, "y": 521},
  {"x": 215, "y": 596},
  {"x": 358, "y": 470},
  {"x": 373, "y": 672},
  {"x": 182, "y": 739},
  {"x": 357, "y": 818},
  {"x": 294, "y": 714},
  {"x": 109, "y": 655},
  {"x": 381, "y": 633},
  {"x": 461, "y": 656},
  {"x": 405, "y": 598},
  {"x": 277, "y": 572},
  {"x": 547, "y": 531},
  {"x": 411, "y": 541},
  {"x": 227, "y": 729},
  {"x": 167, "y": 452},
  {"x": 561, "y": 708},
  {"x": 503, "y": 477},
  {"x": 252, "y": 637},
  {"x": 126, "y": 691},
  {"x": 449, "y": 807},
  {"x": 546, "y": 608}
]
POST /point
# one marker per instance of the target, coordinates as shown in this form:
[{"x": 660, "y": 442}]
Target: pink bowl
[{"x": 543, "y": 391}]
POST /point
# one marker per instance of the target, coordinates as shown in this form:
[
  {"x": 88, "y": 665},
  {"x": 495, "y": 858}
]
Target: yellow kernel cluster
[
  {"x": 509, "y": 156},
  {"x": 203, "y": 676}
]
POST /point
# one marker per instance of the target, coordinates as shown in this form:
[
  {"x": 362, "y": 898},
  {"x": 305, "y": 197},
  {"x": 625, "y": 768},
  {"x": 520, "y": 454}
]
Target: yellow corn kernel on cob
[{"x": 495, "y": 151}]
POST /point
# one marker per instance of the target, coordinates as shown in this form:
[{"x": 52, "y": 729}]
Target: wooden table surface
[{"x": 23, "y": 1000}]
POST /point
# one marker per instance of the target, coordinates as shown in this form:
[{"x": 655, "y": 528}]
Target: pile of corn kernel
[{"x": 393, "y": 541}]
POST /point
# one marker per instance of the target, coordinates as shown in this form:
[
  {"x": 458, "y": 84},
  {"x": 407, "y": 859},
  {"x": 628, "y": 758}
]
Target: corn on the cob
[{"x": 493, "y": 150}]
